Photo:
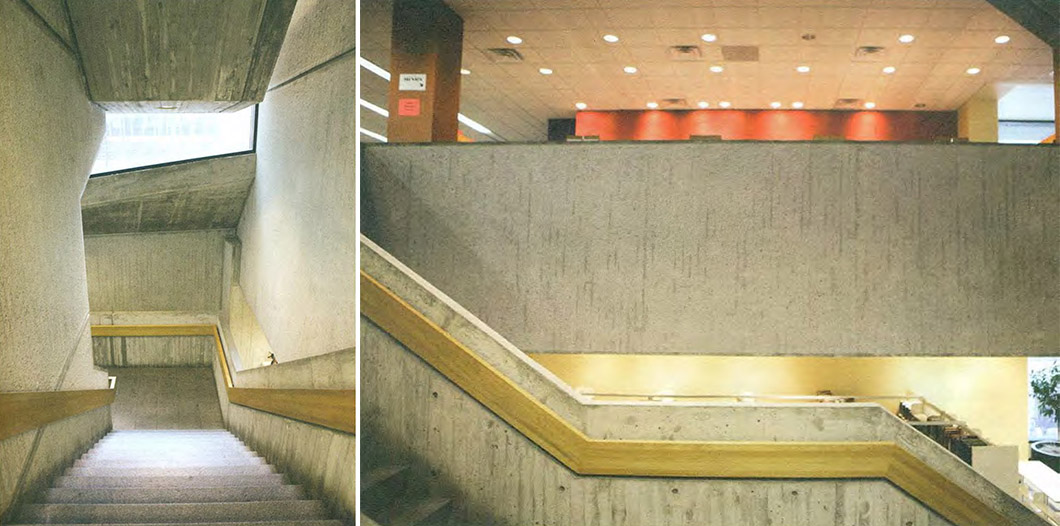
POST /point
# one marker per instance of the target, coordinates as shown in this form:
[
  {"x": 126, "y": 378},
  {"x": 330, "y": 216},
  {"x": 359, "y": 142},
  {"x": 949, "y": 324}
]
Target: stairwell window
[{"x": 137, "y": 140}]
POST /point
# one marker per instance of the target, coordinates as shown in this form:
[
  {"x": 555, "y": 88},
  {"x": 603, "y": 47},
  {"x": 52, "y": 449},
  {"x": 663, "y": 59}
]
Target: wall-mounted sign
[
  {"x": 408, "y": 107},
  {"x": 412, "y": 82}
]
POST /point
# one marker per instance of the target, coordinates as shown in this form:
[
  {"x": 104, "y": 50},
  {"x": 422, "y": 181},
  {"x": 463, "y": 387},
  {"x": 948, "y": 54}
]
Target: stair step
[
  {"x": 161, "y": 455},
  {"x": 171, "y": 495},
  {"x": 182, "y": 512},
  {"x": 229, "y": 523},
  {"x": 201, "y": 481},
  {"x": 426, "y": 512},
  {"x": 382, "y": 487},
  {"x": 206, "y": 461},
  {"x": 170, "y": 472}
]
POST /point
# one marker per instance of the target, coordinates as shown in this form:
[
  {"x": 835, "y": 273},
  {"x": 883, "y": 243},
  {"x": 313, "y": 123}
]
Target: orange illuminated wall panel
[{"x": 766, "y": 125}]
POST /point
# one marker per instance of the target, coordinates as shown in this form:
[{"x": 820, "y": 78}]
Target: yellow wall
[
  {"x": 990, "y": 394},
  {"x": 977, "y": 118}
]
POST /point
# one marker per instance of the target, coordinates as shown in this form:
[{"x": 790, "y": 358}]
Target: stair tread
[
  {"x": 419, "y": 511},
  {"x": 307, "y": 522},
  {"x": 82, "y": 481},
  {"x": 174, "y": 512},
  {"x": 378, "y": 475},
  {"x": 172, "y": 495}
]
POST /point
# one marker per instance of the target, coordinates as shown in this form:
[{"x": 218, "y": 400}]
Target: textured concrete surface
[
  {"x": 153, "y": 351},
  {"x": 50, "y": 135},
  {"x": 197, "y": 195},
  {"x": 214, "y": 55},
  {"x": 178, "y": 271},
  {"x": 165, "y": 398},
  {"x": 393, "y": 379},
  {"x": 337, "y": 370},
  {"x": 497, "y": 476},
  {"x": 298, "y": 232},
  {"x": 734, "y": 248},
  {"x": 320, "y": 30},
  {"x": 247, "y": 339}
]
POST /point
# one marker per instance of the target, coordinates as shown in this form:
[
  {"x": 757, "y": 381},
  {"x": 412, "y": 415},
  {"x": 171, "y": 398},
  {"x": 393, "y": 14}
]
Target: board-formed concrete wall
[
  {"x": 50, "y": 133},
  {"x": 168, "y": 271},
  {"x": 733, "y": 248},
  {"x": 295, "y": 267},
  {"x": 298, "y": 265}
]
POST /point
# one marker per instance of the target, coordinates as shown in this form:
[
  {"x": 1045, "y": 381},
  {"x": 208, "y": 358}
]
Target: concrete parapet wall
[
  {"x": 430, "y": 428},
  {"x": 733, "y": 248}
]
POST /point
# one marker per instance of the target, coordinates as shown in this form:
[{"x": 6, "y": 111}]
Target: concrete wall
[
  {"x": 155, "y": 272},
  {"x": 408, "y": 408},
  {"x": 153, "y": 351},
  {"x": 298, "y": 267},
  {"x": 990, "y": 394},
  {"x": 733, "y": 248},
  {"x": 165, "y": 398},
  {"x": 50, "y": 135},
  {"x": 412, "y": 415}
]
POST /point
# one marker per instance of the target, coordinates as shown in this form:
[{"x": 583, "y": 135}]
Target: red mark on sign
[{"x": 408, "y": 107}]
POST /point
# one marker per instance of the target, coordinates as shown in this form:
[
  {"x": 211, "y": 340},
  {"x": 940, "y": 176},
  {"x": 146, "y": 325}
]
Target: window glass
[
  {"x": 1041, "y": 427},
  {"x": 1024, "y": 132},
  {"x": 133, "y": 140}
]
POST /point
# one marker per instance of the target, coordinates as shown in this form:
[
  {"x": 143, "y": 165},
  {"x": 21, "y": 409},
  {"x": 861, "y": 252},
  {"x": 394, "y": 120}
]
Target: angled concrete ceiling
[
  {"x": 186, "y": 55},
  {"x": 197, "y": 195}
]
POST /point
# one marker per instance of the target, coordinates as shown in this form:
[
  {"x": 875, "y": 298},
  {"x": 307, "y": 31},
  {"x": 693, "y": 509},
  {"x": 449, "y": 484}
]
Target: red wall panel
[{"x": 766, "y": 125}]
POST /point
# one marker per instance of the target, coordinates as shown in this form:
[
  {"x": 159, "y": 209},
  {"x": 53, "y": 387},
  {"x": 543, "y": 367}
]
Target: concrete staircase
[
  {"x": 389, "y": 499},
  {"x": 186, "y": 477}
]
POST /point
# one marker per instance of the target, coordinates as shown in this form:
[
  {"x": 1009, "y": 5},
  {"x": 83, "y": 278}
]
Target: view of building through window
[{"x": 143, "y": 139}]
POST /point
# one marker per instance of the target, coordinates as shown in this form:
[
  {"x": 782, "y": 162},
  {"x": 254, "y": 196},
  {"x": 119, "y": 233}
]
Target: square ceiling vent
[
  {"x": 684, "y": 53},
  {"x": 739, "y": 53},
  {"x": 504, "y": 55}
]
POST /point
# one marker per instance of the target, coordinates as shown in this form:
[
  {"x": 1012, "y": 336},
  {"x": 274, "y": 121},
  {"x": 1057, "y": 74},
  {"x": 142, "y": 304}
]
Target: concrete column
[
  {"x": 977, "y": 118},
  {"x": 426, "y": 43}
]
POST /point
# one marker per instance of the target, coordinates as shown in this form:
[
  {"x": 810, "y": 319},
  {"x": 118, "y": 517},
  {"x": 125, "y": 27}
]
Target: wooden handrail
[
  {"x": 591, "y": 456},
  {"x": 23, "y": 412},
  {"x": 330, "y": 408}
]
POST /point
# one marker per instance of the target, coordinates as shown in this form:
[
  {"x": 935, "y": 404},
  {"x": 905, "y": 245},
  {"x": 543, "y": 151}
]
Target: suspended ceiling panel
[
  {"x": 187, "y": 55},
  {"x": 951, "y": 36}
]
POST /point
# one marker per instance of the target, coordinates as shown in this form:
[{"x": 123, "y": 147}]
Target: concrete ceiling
[
  {"x": 197, "y": 56},
  {"x": 196, "y": 195},
  {"x": 515, "y": 100}
]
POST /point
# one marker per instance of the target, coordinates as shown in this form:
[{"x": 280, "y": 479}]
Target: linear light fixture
[
  {"x": 374, "y": 135},
  {"x": 366, "y": 64},
  {"x": 374, "y": 108}
]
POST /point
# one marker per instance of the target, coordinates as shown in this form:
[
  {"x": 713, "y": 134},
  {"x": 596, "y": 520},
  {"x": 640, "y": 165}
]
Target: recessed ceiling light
[
  {"x": 465, "y": 71},
  {"x": 581, "y": 105},
  {"x": 870, "y": 105},
  {"x": 611, "y": 38},
  {"x": 724, "y": 104},
  {"x": 889, "y": 69},
  {"x": 905, "y": 39},
  {"x": 717, "y": 69},
  {"x": 514, "y": 40},
  {"x": 709, "y": 37},
  {"x": 653, "y": 105},
  {"x": 545, "y": 71},
  {"x": 1002, "y": 39},
  {"x": 629, "y": 69},
  {"x": 973, "y": 71},
  {"x": 774, "y": 105},
  {"x": 803, "y": 69},
  {"x": 704, "y": 104},
  {"x": 796, "y": 105}
]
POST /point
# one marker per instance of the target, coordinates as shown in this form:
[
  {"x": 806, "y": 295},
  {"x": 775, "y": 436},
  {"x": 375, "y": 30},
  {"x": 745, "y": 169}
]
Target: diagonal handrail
[{"x": 591, "y": 456}]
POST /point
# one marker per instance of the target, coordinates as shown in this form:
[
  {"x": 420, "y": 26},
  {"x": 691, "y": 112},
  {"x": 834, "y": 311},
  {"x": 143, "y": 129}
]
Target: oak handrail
[
  {"x": 25, "y": 411},
  {"x": 591, "y": 456},
  {"x": 331, "y": 408}
]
